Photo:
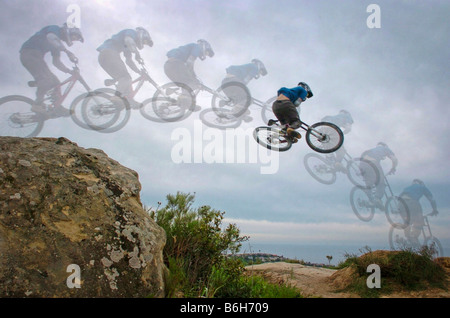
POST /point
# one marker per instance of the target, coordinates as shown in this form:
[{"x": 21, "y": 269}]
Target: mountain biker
[
  {"x": 376, "y": 155},
  {"x": 32, "y": 53},
  {"x": 179, "y": 66},
  {"x": 344, "y": 121},
  {"x": 128, "y": 42},
  {"x": 285, "y": 107},
  {"x": 411, "y": 195},
  {"x": 241, "y": 74}
]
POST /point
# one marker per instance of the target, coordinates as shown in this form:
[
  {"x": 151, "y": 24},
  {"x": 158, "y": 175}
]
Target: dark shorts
[
  {"x": 34, "y": 62},
  {"x": 286, "y": 113},
  {"x": 178, "y": 72}
]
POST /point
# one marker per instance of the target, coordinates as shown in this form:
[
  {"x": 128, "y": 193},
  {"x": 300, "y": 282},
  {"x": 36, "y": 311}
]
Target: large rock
[{"x": 64, "y": 211}]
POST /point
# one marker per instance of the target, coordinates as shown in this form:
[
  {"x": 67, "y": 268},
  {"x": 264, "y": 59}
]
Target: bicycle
[
  {"x": 18, "y": 116},
  {"x": 323, "y": 137},
  {"x": 171, "y": 102},
  {"x": 401, "y": 241},
  {"x": 364, "y": 205},
  {"x": 324, "y": 169},
  {"x": 177, "y": 101},
  {"x": 223, "y": 115}
]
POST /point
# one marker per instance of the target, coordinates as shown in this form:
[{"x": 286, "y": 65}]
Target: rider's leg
[
  {"x": 112, "y": 63},
  {"x": 33, "y": 61},
  {"x": 238, "y": 93}
]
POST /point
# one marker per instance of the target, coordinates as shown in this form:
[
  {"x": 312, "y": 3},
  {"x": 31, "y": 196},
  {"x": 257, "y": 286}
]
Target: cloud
[{"x": 393, "y": 80}]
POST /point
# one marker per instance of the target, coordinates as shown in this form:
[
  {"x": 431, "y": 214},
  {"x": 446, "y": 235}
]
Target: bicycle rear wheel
[
  {"x": 272, "y": 138},
  {"x": 210, "y": 118},
  {"x": 324, "y": 137},
  {"x": 361, "y": 204},
  {"x": 17, "y": 119}
]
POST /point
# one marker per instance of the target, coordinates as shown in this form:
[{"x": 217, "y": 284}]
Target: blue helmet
[{"x": 206, "y": 49}]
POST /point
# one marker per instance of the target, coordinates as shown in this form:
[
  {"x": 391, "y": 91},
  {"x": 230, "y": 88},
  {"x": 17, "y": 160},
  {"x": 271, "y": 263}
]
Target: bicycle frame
[
  {"x": 71, "y": 81},
  {"x": 140, "y": 80},
  {"x": 427, "y": 225}
]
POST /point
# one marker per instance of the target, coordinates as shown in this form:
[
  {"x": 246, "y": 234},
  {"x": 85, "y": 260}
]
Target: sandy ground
[{"x": 320, "y": 282}]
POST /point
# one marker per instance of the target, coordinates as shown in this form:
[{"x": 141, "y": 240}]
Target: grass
[{"x": 404, "y": 270}]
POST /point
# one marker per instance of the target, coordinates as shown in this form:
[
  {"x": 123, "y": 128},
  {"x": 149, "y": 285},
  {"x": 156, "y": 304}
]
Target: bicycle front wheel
[
  {"x": 324, "y": 137},
  {"x": 173, "y": 102},
  {"x": 397, "y": 212},
  {"x": 435, "y": 246},
  {"x": 363, "y": 173},
  {"x": 320, "y": 168},
  {"x": 272, "y": 138},
  {"x": 361, "y": 204},
  {"x": 17, "y": 119},
  {"x": 105, "y": 113}
]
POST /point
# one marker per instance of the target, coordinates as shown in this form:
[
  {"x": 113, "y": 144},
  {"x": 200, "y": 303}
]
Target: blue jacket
[
  {"x": 416, "y": 191},
  {"x": 39, "y": 40},
  {"x": 243, "y": 72},
  {"x": 117, "y": 41},
  {"x": 183, "y": 53},
  {"x": 293, "y": 93}
]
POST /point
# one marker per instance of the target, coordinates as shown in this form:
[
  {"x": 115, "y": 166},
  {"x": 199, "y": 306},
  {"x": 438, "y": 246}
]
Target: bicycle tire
[
  {"x": 363, "y": 173},
  {"x": 396, "y": 205},
  {"x": 147, "y": 110},
  {"x": 396, "y": 243},
  {"x": 332, "y": 139},
  {"x": 271, "y": 139},
  {"x": 172, "y": 93},
  {"x": 76, "y": 112},
  {"x": 403, "y": 243},
  {"x": 210, "y": 118},
  {"x": 438, "y": 249},
  {"x": 11, "y": 118},
  {"x": 94, "y": 112},
  {"x": 229, "y": 108},
  {"x": 362, "y": 208},
  {"x": 316, "y": 172}
]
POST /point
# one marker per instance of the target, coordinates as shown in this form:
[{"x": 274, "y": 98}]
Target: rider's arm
[
  {"x": 57, "y": 46},
  {"x": 394, "y": 164},
  {"x": 430, "y": 198},
  {"x": 131, "y": 46},
  {"x": 129, "y": 61},
  {"x": 58, "y": 64}
]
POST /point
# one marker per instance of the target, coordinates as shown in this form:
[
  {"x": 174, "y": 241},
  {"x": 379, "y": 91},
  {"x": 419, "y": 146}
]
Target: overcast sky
[{"x": 393, "y": 80}]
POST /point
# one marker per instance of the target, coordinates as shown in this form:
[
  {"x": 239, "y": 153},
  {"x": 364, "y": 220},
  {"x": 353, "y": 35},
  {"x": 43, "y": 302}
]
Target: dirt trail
[{"x": 320, "y": 282}]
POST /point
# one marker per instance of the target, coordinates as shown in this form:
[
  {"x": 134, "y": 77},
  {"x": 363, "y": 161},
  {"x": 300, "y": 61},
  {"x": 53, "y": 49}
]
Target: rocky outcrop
[{"x": 72, "y": 224}]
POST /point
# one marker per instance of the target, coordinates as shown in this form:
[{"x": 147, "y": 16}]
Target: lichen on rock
[{"x": 61, "y": 204}]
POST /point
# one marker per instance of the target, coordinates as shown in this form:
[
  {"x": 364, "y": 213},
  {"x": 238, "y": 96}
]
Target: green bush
[
  {"x": 400, "y": 270},
  {"x": 196, "y": 254}
]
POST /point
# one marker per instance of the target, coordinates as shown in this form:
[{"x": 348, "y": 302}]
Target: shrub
[
  {"x": 196, "y": 241},
  {"x": 195, "y": 254},
  {"x": 400, "y": 270}
]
